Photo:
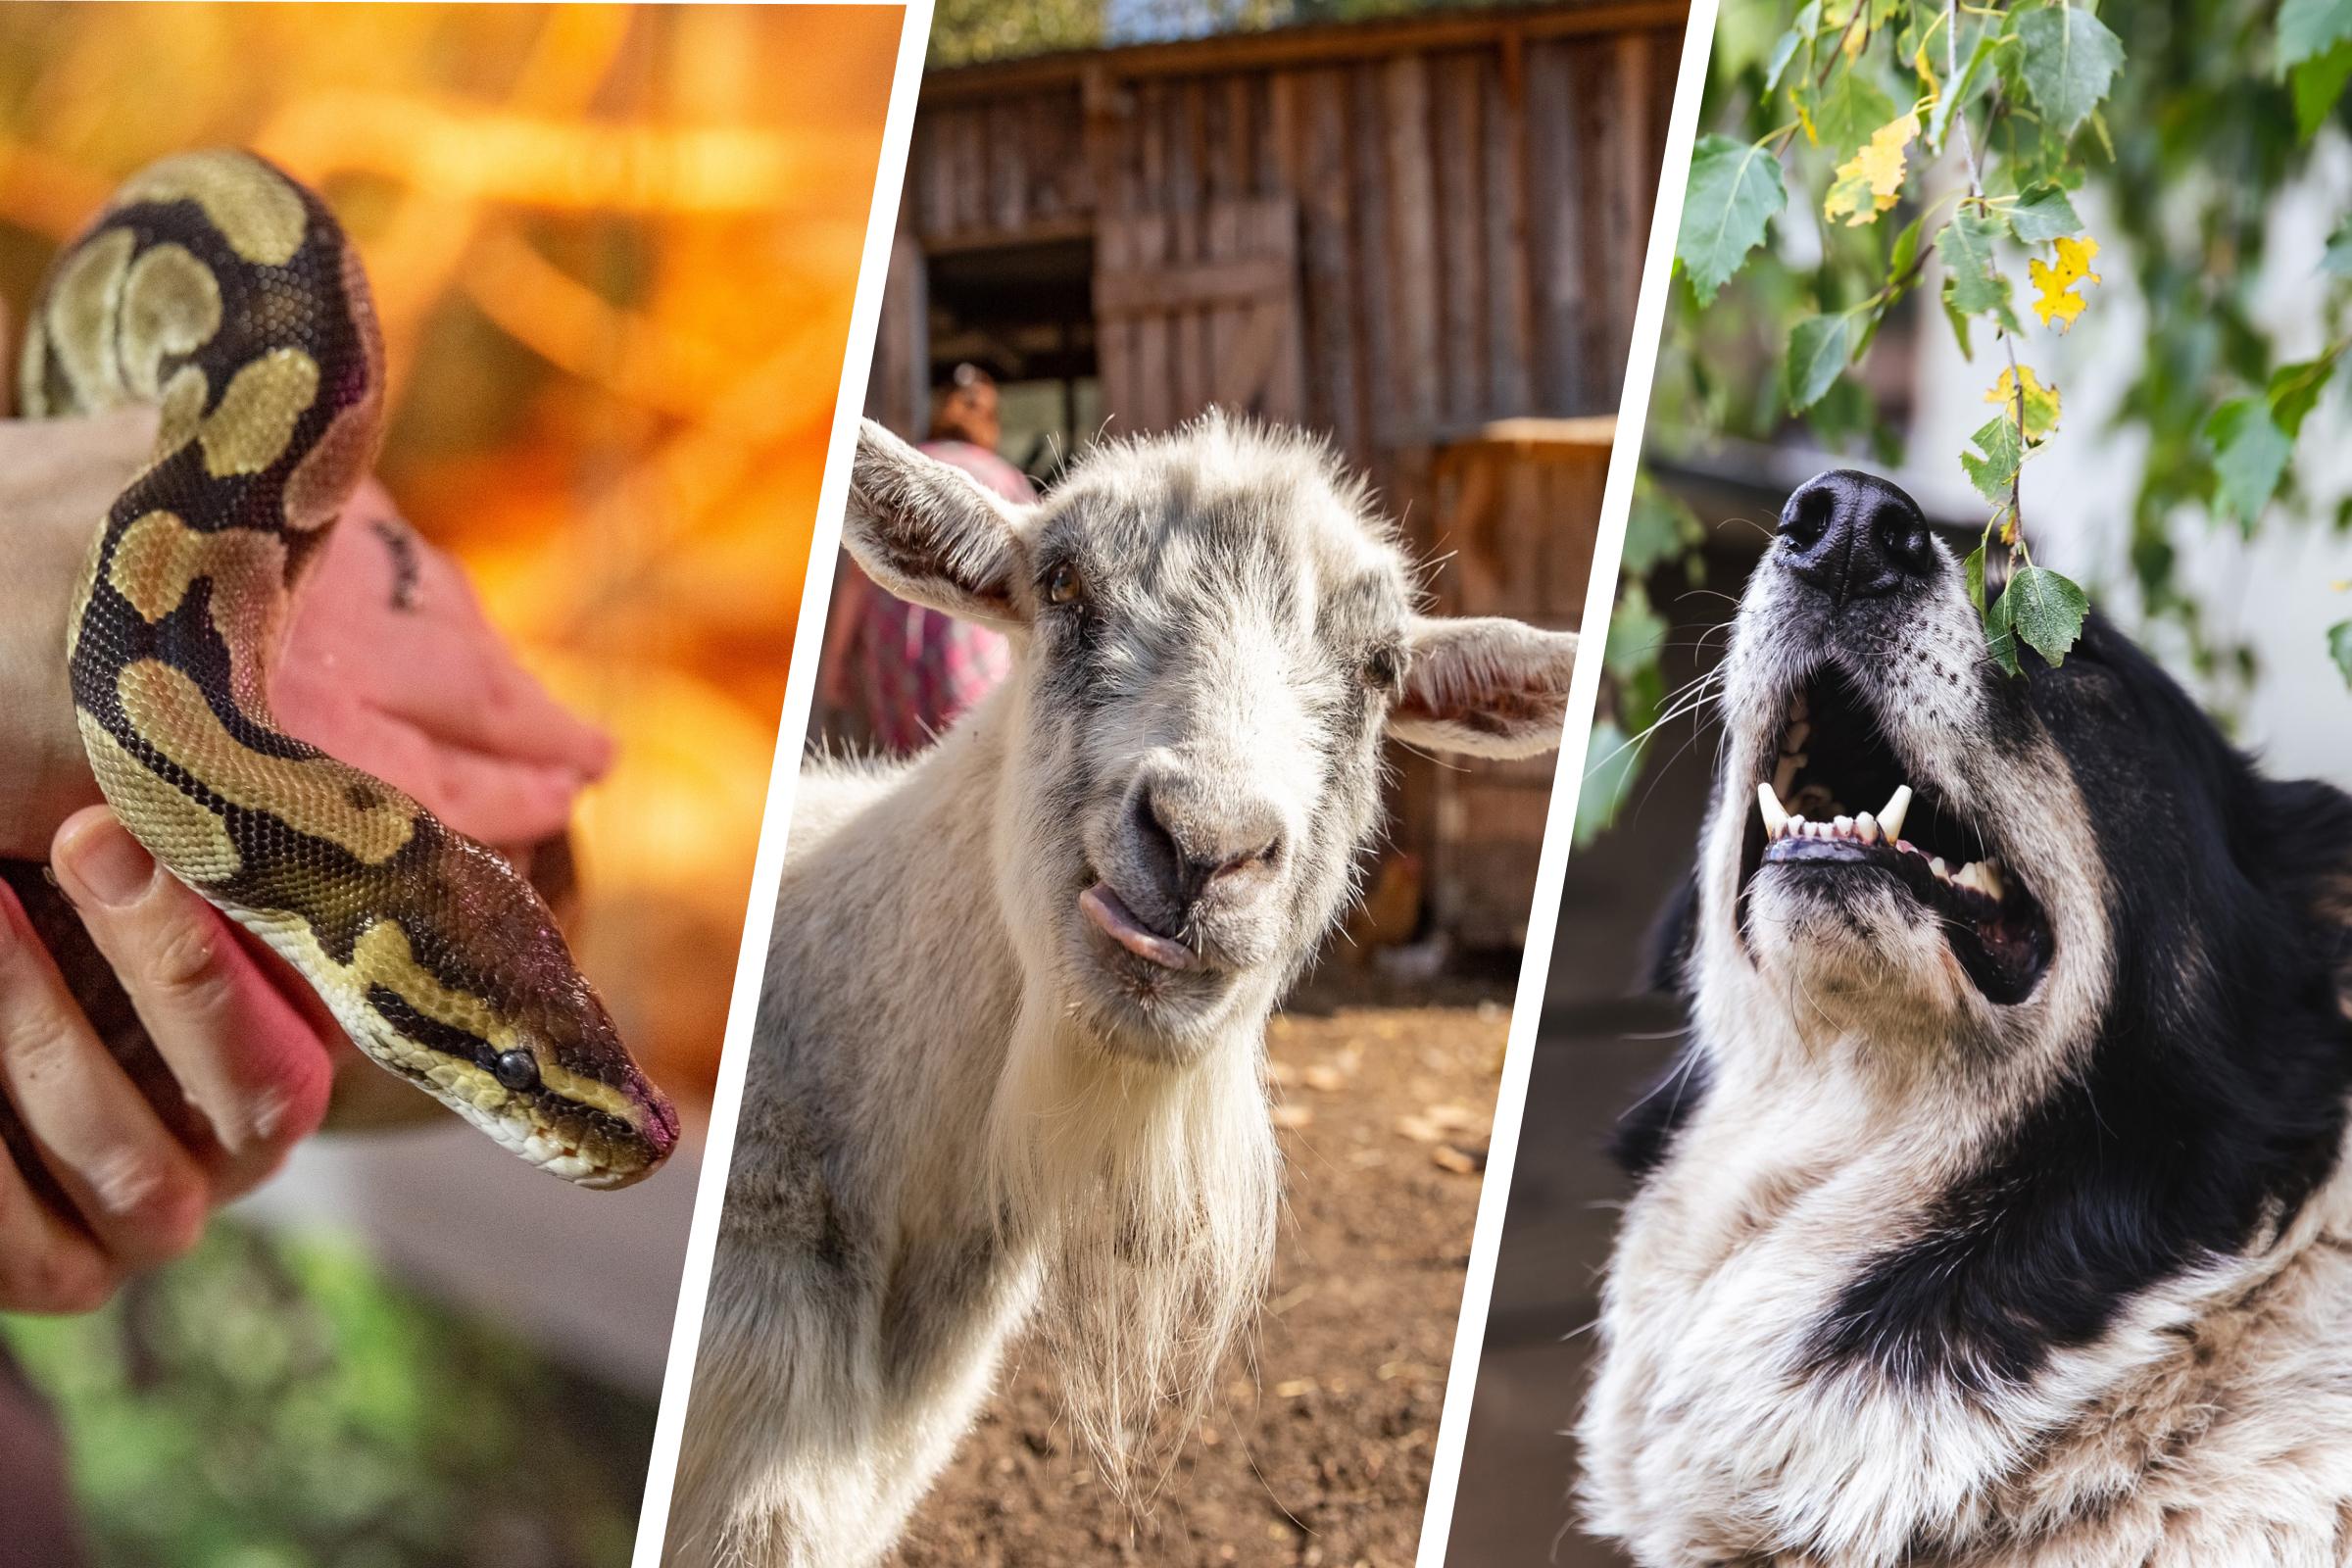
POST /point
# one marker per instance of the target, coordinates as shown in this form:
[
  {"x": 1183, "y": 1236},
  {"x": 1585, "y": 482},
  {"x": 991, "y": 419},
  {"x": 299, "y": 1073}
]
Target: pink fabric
[{"x": 919, "y": 670}]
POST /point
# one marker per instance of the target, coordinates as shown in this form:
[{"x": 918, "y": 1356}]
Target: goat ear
[
  {"x": 928, "y": 533},
  {"x": 1486, "y": 686}
]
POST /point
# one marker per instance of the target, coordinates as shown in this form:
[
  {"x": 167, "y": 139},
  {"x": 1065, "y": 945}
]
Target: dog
[{"x": 1995, "y": 1211}]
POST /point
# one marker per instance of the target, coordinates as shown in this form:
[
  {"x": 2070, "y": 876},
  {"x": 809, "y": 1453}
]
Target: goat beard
[{"x": 1149, "y": 1194}]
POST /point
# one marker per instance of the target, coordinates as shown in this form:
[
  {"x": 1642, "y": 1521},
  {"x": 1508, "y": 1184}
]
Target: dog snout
[
  {"x": 1187, "y": 840},
  {"x": 1851, "y": 536}
]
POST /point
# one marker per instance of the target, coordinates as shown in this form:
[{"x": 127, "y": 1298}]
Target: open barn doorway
[{"x": 1025, "y": 314}]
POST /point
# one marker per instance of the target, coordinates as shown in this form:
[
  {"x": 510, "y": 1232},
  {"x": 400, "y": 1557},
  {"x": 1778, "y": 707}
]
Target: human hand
[
  {"x": 105, "y": 1180},
  {"x": 388, "y": 662}
]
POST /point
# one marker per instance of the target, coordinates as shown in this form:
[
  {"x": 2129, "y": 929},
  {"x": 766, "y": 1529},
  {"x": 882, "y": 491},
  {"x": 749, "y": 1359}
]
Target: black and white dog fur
[{"x": 1995, "y": 1212}]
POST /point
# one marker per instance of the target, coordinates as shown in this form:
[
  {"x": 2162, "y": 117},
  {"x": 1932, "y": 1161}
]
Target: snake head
[
  {"x": 576, "y": 1103},
  {"x": 471, "y": 994}
]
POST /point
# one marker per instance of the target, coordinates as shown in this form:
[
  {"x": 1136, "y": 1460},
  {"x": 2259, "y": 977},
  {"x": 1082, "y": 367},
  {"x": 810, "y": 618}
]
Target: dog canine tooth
[
  {"x": 1776, "y": 816},
  {"x": 1890, "y": 815}
]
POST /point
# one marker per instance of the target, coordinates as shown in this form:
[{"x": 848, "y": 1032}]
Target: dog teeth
[
  {"x": 1981, "y": 877},
  {"x": 1942, "y": 870},
  {"x": 1775, "y": 816},
  {"x": 1865, "y": 828},
  {"x": 1891, "y": 816}
]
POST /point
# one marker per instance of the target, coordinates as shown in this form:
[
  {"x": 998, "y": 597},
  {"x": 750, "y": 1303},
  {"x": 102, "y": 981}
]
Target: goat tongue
[{"x": 1118, "y": 922}]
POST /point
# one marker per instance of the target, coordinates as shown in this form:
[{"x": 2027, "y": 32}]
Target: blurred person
[
  {"x": 907, "y": 671},
  {"x": 388, "y": 663}
]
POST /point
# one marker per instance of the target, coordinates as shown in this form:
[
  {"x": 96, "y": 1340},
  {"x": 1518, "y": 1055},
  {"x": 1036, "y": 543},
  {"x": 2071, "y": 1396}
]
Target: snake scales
[{"x": 222, "y": 292}]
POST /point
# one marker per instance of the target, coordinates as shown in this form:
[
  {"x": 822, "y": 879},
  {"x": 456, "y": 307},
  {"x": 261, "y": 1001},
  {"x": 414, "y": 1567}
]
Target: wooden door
[{"x": 1197, "y": 309}]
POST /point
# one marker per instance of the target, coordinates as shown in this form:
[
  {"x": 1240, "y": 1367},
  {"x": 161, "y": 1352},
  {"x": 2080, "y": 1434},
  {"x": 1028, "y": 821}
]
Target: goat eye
[{"x": 1063, "y": 585}]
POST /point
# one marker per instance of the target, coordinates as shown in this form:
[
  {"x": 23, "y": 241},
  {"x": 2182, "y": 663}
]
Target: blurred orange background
[{"x": 614, "y": 251}]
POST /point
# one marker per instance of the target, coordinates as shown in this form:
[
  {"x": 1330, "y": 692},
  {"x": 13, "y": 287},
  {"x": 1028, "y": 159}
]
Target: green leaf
[
  {"x": 1817, "y": 352},
  {"x": 1971, "y": 283},
  {"x": 1851, "y": 109},
  {"x": 1959, "y": 321},
  {"x": 2250, "y": 455},
  {"x": 2000, "y": 636},
  {"x": 2046, "y": 611},
  {"x": 2044, "y": 213},
  {"x": 2309, "y": 28},
  {"x": 2295, "y": 389},
  {"x": 1801, "y": 32},
  {"x": 1659, "y": 529},
  {"x": 2317, "y": 85},
  {"x": 1962, "y": 89},
  {"x": 1975, "y": 569},
  {"x": 2070, "y": 61},
  {"x": 1906, "y": 249},
  {"x": 1993, "y": 466},
  {"x": 2339, "y": 648},
  {"x": 1734, "y": 189},
  {"x": 1635, "y": 632}
]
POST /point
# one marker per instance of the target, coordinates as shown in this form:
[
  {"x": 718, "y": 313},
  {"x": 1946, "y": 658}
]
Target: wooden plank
[
  {"x": 1300, "y": 47},
  {"x": 1412, "y": 241},
  {"x": 1154, "y": 349},
  {"x": 1557, "y": 226},
  {"x": 1375, "y": 311},
  {"x": 899, "y": 386},
  {"x": 1007, "y": 147},
  {"x": 1245, "y": 276},
  {"x": 967, "y": 147},
  {"x": 1187, "y": 142},
  {"x": 1637, "y": 158},
  {"x": 934, "y": 178},
  {"x": 1327, "y": 243},
  {"x": 1511, "y": 306},
  {"x": 1462, "y": 232},
  {"x": 1275, "y": 224},
  {"x": 1116, "y": 340}
]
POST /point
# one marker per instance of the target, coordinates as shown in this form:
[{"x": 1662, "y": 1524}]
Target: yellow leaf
[
  {"x": 2042, "y": 401},
  {"x": 1812, "y": 137},
  {"x": 2059, "y": 304},
  {"x": 1927, "y": 72},
  {"x": 1872, "y": 180}
]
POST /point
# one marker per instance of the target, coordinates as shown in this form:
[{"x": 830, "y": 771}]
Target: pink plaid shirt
[{"x": 918, "y": 670}]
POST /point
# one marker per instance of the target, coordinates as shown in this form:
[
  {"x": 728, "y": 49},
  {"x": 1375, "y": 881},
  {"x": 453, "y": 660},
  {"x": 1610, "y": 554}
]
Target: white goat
[{"x": 1009, "y": 1054}]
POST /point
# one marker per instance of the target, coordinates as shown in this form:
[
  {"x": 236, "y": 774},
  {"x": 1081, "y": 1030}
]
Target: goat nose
[
  {"x": 1183, "y": 848},
  {"x": 1855, "y": 536}
]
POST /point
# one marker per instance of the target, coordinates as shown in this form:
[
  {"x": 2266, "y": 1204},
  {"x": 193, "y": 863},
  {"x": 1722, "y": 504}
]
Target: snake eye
[
  {"x": 1063, "y": 585},
  {"x": 519, "y": 1070}
]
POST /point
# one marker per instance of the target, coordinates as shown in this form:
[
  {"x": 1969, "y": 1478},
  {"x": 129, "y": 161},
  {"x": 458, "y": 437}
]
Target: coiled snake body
[{"x": 222, "y": 292}]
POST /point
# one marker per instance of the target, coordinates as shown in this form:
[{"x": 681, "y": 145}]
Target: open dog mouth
[{"x": 1837, "y": 801}]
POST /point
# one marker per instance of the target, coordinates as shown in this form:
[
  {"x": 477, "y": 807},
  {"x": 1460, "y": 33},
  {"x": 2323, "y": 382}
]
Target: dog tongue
[{"x": 1106, "y": 910}]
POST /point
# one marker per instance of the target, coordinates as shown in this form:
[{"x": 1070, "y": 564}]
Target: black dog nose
[{"x": 1855, "y": 536}]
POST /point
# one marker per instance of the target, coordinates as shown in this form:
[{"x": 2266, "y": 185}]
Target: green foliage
[
  {"x": 1735, "y": 191},
  {"x": 265, "y": 1403},
  {"x": 2069, "y": 59},
  {"x": 2339, "y": 648},
  {"x": 2179, "y": 135}
]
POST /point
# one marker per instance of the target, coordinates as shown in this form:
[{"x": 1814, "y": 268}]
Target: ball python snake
[{"x": 222, "y": 292}]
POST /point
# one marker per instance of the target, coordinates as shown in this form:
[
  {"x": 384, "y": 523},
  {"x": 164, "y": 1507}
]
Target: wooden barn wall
[{"x": 1472, "y": 220}]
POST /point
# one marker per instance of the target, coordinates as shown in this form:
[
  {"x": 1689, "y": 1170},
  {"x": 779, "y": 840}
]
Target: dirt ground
[{"x": 1318, "y": 1453}]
